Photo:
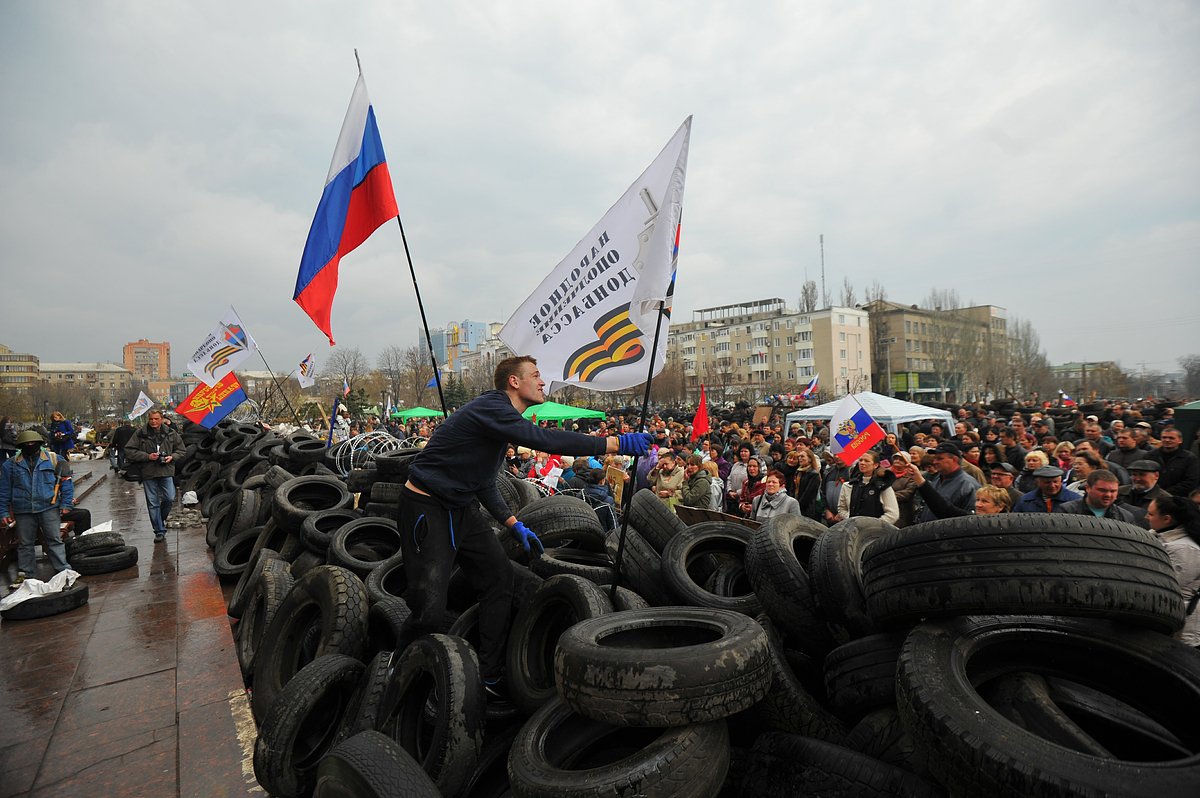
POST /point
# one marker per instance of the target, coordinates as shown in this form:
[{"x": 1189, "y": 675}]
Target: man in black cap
[
  {"x": 952, "y": 492},
  {"x": 1145, "y": 488},
  {"x": 1002, "y": 476},
  {"x": 1099, "y": 499},
  {"x": 1048, "y": 494}
]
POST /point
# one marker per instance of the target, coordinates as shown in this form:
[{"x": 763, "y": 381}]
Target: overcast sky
[{"x": 160, "y": 161}]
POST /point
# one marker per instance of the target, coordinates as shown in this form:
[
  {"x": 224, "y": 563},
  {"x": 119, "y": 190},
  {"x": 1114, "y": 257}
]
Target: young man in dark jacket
[
  {"x": 439, "y": 518},
  {"x": 34, "y": 486},
  {"x": 156, "y": 447}
]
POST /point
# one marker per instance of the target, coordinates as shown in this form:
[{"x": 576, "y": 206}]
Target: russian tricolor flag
[
  {"x": 358, "y": 198},
  {"x": 811, "y": 387},
  {"x": 852, "y": 430}
]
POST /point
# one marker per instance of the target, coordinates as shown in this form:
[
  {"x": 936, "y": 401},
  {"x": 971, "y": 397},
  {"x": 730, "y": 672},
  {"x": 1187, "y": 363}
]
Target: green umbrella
[
  {"x": 553, "y": 411},
  {"x": 417, "y": 412}
]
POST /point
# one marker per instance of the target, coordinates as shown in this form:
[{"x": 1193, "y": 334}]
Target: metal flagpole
[
  {"x": 437, "y": 375},
  {"x": 627, "y": 495},
  {"x": 274, "y": 379}
]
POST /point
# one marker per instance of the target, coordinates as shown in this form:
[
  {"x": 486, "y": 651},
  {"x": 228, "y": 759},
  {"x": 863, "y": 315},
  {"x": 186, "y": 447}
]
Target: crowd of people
[{"x": 1120, "y": 462}]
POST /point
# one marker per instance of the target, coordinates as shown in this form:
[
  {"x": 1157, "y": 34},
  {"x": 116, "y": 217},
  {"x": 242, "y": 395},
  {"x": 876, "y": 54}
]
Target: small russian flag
[
  {"x": 812, "y": 386},
  {"x": 345, "y": 387},
  {"x": 1066, "y": 400}
]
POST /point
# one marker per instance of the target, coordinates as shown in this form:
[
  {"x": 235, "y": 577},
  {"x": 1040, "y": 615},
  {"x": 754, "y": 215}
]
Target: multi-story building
[
  {"x": 454, "y": 342},
  {"x": 751, "y": 349},
  {"x": 18, "y": 372},
  {"x": 958, "y": 354},
  {"x": 107, "y": 383},
  {"x": 148, "y": 360}
]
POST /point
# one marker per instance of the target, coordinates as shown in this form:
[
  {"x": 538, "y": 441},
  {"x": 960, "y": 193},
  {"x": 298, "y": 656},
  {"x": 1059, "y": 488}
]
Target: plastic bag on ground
[
  {"x": 105, "y": 527},
  {"x": 32, "y": 588}
]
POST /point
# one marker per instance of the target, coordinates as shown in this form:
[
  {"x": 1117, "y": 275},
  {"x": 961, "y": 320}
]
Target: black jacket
[
  {"x": 460, "y": 463},
  {"x": 1180, "y": 471}
]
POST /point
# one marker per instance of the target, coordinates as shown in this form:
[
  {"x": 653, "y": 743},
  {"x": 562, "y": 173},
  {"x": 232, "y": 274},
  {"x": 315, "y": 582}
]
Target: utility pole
[{"x": 824, "y": 293}]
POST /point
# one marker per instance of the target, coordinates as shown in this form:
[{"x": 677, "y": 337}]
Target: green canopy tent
[
  {"x": 417, "y": 412},
  {"x": 553, "y": 411}
]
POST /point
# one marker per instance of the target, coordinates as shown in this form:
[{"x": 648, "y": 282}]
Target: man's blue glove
[
  {"x": 635, "y": 443},
  {"x": 526, "y": 538}
]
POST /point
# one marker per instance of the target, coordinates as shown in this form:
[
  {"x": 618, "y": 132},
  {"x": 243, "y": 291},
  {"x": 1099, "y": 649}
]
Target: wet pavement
[{"x": 136, "y": 693}]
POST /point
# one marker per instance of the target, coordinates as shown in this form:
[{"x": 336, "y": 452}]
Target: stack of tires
[
  {"x": 100, "y": 553},
  {"x": 984, "y": 656}
]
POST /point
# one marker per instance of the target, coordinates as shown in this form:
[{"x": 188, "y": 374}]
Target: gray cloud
[{"x": 162, "y": 161}]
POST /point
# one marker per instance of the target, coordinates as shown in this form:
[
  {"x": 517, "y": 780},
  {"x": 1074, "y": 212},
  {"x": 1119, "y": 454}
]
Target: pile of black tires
[
  {"x": 987, "y": 656},
  {"x": 100, "y": 553}
]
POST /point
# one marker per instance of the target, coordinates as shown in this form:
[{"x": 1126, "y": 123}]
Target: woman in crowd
[
  {"x": 868, "y": 492},
  {"x": 62, "y": 433},
  {"x": 990, "y": 500},
  {"x": 752, "y": 487},
  {"x": 1176, "y": 523},
  {"x": 806, "y": 483},
  {"x": 1063, "y": 453},
  {"x": 1033, "y": 461},
  {"x": 990, "y": 456},
  {"x": 774, "y": 500},
  {"x": 1083, "y": 463},
  {"x": 904, "y": 488},
  {"x": 717, "y": 488}
]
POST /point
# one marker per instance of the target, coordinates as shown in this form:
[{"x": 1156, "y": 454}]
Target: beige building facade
[{"x": 18, "y": 371}]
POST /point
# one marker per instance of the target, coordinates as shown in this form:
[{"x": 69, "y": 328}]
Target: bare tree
[
  {"x": 391, "y": 368},
  {"x": 718, "y": 377},
  {"x": 417, "y": 372},
  {"x": 849, "y": 299},
  {"x": 1028, "y": 368},
  {"x": 808, "y": 296},
  {"x": 941, "y": 299},
  {"x": 1191, "y": 375},
  {"x": 347, "y": 365},
  {"x": 876, "y": 292}
]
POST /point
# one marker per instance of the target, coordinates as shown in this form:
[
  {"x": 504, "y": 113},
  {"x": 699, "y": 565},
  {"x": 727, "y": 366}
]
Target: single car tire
[
  {"x": 667, "y": 666},
  {"x": 97, "y": 540},
  {"x": 329, "y": 601},
  {"x": 300, "y": 496},
  {"x": 697, "y": 542},
  {"x": 1023, "y": 564},
  {"x": 593, "y": 566},
  {"x": 372, "y": 765},
  {"x": 364, "y": 543},
  {"x": 302, "y": 725},
  {"x": 788, "y": 764},
  {"x": 558, "y": 603},
  {"x": 318, "y": 528},
  {"x": 444, "y": 671},
  {"x": 65, "y": 600},
  {"x": 246, "y": 585},
  {"x": 387, "y": 580},
  {"x": 639, "y": 565},
  {"x": 860, "y": 676},
  {"x": 233, "y": 557},
  {"x": 274, "y": 582},
  {"x": 555, "y": 519},
  {"x": 972, "y": 749},
  {"x": 104, "y": 561},
  {"x": 654, "y": 519},
  {"x": 835, "y": 575},
  {"x": 561, "y": 754},
  {"x": 777, "y": 563}
]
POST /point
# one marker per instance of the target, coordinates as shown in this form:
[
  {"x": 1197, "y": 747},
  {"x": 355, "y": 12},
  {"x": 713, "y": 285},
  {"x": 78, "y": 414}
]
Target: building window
[
  {"x": 842, "y": 337},
  {"x": 841, "y": 318},
  {"x": 843, "y": 354}
]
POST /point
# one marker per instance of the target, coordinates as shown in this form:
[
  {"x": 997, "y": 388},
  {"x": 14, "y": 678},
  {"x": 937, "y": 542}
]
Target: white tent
[{"x": 887, "y": 412}]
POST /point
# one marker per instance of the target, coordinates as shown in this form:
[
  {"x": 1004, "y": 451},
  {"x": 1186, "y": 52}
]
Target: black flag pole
[
  {"x": 437, "y": 375},
  {"x": 627, "y": 494},
  {"x": 274, "y": 379}
]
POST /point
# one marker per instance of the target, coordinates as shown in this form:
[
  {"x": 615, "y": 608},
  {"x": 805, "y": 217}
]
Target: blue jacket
[
  {"x": 34, "y": 486},
  {"x": 67, "y": 440},
  {"x": 1034, "y": 502}
]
